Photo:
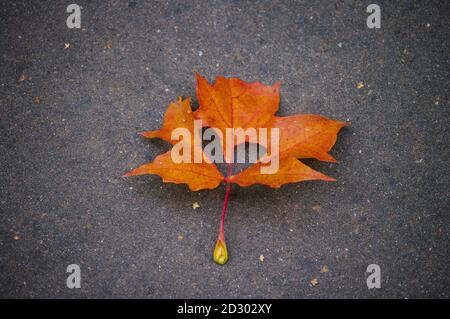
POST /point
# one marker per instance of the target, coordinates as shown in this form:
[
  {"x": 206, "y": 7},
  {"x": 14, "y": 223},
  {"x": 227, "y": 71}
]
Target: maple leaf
[
  {"x": 233, "y": 103},
  {"x": 196, "y": 175}
]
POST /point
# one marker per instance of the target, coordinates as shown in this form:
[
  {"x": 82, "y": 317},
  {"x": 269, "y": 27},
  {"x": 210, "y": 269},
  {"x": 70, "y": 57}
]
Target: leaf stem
[
  {"x": 225, "y": 203},
  {"x": 220, "y": 255}
]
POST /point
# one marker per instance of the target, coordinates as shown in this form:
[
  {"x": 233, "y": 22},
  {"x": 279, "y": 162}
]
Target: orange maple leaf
[
  {"x": 196, "y": 175},
  {"x": 233, "y": 103}
]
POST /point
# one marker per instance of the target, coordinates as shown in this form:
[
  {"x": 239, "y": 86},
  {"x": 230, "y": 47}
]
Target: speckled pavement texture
[{"x": 68, "y": 123}]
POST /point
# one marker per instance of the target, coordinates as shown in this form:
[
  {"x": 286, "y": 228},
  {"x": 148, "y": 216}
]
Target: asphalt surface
[{"x": 68, "y": 123}]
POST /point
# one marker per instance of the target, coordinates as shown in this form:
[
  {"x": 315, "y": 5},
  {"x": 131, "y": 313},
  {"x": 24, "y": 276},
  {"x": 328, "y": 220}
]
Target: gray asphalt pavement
[{"x": 72, "y": 100}]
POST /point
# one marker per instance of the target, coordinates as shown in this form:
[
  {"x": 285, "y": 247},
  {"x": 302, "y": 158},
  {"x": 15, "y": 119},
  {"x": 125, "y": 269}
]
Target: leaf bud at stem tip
[{"x": 220, "y": 255}]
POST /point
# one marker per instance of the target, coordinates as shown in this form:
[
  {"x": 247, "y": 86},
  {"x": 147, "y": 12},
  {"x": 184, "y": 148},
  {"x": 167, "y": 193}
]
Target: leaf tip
[
  {"x": 342, "y": 123},
  {"x": 198, "y": 76},
  {"x": 329, "y": 179},
  {"x": 331, "y": 159},
  {"x": 148, "y": 134},
  {"x": 277, "y": 86},
  {"x": 128, "y": 174}
]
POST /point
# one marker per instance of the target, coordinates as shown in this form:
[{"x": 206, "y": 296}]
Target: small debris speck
[
  {"x": 16, "y": 237},
  {"x": 180, "y": 237},
  {"x": 360, "y": 85},
  {"x": 195, "y": 205},
  {"x": 314, "y": 282},
  {"x": 200, "y": 53},
  {"x": 66, "y": 46},
  {"x": 324, "y": 269},
  {"x": 22, "y": 77},
  {"x": 261, "y": 258}
]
